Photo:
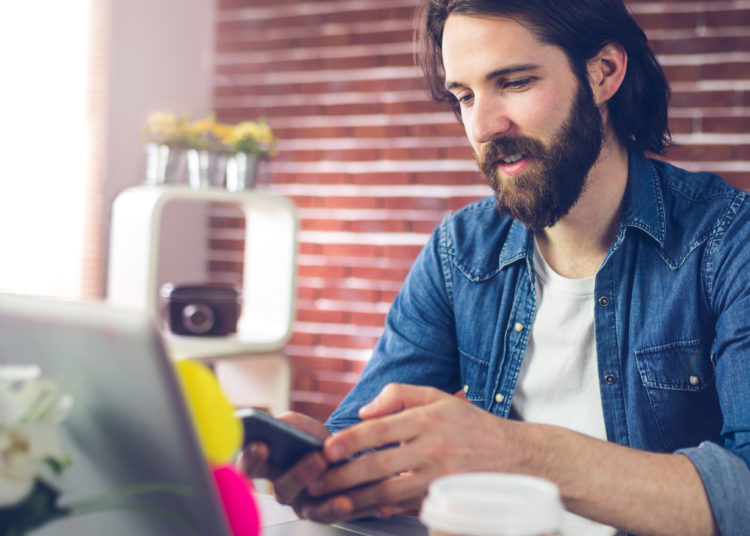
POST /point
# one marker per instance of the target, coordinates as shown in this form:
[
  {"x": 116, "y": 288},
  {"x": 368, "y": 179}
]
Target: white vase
[
  {"x": 242, "y": 170},
  {"x": 206, "y": 168},
  {"x": 164, "y": 164}
]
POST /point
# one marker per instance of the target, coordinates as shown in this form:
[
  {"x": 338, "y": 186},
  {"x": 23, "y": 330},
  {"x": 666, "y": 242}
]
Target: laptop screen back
[{"x": 129, "y": 429}]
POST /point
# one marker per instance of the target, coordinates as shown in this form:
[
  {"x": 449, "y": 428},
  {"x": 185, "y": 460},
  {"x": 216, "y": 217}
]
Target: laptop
[{"x": 129, "y": 426}]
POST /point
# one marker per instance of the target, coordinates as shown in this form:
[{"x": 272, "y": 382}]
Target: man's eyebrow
[{"x": 499, "y": 73}]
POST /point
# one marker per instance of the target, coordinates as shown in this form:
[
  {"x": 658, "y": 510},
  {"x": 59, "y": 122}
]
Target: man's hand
[
  {"x": 428, "y": 433},
  {"x": 290, "y": 486}
]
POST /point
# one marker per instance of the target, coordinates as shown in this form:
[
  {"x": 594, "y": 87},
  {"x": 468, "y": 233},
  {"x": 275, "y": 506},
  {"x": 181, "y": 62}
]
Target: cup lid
[{"x": 491, "y": 504}]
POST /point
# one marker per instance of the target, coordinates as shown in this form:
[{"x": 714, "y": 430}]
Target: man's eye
[
  {"x": 464, "y": 98},
  {"x": 521, "y": 83}
]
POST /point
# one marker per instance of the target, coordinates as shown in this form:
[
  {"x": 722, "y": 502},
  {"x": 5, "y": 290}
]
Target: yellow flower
[{"x": 254, "y": 137}]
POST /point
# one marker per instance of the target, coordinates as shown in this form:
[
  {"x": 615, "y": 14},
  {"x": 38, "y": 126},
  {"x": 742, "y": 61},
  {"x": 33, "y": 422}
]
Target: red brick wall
[{"x": 373, "y": 166}]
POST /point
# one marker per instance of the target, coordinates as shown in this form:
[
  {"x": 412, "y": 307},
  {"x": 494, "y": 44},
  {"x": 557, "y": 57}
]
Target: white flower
[{"x": 30, "y": 410}]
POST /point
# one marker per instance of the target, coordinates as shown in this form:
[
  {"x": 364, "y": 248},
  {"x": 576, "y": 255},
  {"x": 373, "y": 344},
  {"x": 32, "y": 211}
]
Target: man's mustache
[{"x": 505, "y": 147}]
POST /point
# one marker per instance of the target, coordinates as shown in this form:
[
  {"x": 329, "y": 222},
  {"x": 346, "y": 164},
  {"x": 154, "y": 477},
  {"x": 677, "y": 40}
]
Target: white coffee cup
[{"x": 492, "y": 504}]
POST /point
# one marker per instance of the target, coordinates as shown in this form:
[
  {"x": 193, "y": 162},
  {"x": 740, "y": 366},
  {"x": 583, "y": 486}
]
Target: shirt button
[
  {"x": 518, "y": 327},
  {"x": 466, "y": 388},
  {"x": 695, "y": 380},
  {"x": 609, "y": 379},
  {"x": 499, "y": 398},
  {"x": 603, "y": 301}
]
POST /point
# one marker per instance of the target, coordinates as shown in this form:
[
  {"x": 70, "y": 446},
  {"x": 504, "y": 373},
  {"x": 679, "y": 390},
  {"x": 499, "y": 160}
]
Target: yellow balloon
[{"x": 219, "y": 431}]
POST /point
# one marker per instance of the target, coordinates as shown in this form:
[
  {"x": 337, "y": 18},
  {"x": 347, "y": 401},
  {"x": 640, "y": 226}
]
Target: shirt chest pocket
[
  {"x": 474, "y": 378},
  {"x": 679, "y": 381}
]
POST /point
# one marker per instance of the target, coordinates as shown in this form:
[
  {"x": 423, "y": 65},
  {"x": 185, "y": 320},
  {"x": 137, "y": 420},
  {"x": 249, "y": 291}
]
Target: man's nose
[{"x": 489, "y": 119}]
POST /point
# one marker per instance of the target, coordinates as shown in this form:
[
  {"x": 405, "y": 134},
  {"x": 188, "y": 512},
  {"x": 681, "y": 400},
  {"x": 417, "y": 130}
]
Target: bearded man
[{"x": 595, "y": 312}]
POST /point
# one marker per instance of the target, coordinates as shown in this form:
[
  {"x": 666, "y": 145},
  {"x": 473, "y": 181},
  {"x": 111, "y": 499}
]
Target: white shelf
[{"x": 141, "y": 260}]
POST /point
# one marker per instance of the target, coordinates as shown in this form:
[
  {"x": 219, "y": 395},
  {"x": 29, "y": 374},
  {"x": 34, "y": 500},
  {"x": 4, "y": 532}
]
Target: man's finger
[
  {"x": 291, "y": 484},
  {"x": 377, "y": 432},
  {"x": 397, "y": 397},
  {"x": 254, "y": 461}
]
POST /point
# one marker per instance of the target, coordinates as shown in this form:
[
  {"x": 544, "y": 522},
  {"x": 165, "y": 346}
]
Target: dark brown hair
[{"x": 581, "y": 28}]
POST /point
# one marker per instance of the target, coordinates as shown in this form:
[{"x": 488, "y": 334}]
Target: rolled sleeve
[{"x": 726, "y": 478}]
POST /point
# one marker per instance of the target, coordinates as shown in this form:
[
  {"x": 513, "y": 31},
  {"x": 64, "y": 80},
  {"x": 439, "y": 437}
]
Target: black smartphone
[{"x": 286, "y": 444}]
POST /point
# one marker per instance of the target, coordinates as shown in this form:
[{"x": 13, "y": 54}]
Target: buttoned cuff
[{"x": 726, "y": 478}]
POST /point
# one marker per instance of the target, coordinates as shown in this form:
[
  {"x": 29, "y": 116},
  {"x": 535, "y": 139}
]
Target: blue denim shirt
[{"x": 672, "y": 317}]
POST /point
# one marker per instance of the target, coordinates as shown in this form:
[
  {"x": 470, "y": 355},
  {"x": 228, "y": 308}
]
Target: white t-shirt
[{"x": 559, "y": 379}]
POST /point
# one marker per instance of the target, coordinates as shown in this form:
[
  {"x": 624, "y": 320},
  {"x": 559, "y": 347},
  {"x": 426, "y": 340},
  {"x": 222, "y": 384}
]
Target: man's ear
[{"x": 606, "y": 71}]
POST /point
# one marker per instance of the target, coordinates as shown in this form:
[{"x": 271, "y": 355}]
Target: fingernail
[{"x": 339, "y": 510}]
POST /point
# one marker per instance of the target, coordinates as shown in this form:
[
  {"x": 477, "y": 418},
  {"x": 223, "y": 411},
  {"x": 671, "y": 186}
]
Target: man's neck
[{"x": 576, "y": 246}]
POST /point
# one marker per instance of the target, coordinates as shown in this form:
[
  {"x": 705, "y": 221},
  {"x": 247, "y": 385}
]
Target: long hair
[{"x": 581, "y": 28}]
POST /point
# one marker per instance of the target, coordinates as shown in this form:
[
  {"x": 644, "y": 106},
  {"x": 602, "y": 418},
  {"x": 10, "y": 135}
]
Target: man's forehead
[{"x": 493, "y": 45}]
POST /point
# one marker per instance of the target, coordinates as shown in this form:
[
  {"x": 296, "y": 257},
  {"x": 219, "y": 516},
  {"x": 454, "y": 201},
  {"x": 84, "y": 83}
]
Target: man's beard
[{"x": 539, "y": 198}]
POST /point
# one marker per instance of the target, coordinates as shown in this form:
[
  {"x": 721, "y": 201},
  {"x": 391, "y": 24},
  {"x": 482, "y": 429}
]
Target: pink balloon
[{"x": 239, "y": 505}]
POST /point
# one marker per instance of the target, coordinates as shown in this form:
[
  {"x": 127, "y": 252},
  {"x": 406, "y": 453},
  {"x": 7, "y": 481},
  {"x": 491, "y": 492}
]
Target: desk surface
[{"x": 279, "y": 520}]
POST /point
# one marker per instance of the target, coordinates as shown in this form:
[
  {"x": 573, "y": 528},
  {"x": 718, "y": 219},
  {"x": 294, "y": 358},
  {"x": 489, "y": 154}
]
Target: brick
[
  {"x": 356, "y": 366},
  {"x": 729, "y": 17},
  {"x": 704, "y": 99},
  {"x": 456, "y": 203},
  {"x": 382, "y": 178},
  {"x": 307, "y": 201},
  {"x": 401, "y": 252},
  {"x": 667, "y": 20},
  {"x": 347, "y": 341},
  {"x": 322, "y": 316},
  {"x": 738, "y": 179},
  {"x": 681, "y": 125},
  {"x": 226, "y": 245},
  {"x": 307, "y": 294},
  {"x": 387, "y": 296},
  {"x": 359, "y": 108},
  {"x": 414, "y": 203},
  {"x": 304, "y": 339},
  {"x": 422, "y": 106},
  {"x": 694, "y": 45},
  {"x": 368, "y": 319},
  {"x": 349, "y": 250},
  {"x": 299, "y": 156},
  {"x": 388, "y": 274},
  {"x": 411, "y": 153},
  {"x": 449, "y": 177},
  {"x": 742, "y": 152},
  {"x": 324, "y": 225},
  {"x": 322, "y": 271},
  {"x": 303, "y": 382},
  {"x": 735, "y": 124},
  {"x": 681, "y": 73},
  {"x": 348, "y": 294},
  {"x": 441, "y": 129},
  {"x": 225, "y": 266},
  {"x": 464, "y": 152},
  {"x": 356, "y": 155},
  {"x": 379, "y": 226},
  {"x": 351, "y": 202},
  {"x": 381, "y": 131},
  {"x": 357, "y": 62},
  {"x": 322, "y": 178},
  {"x": 318, "y": 364},
  {"x": 739, "y": 70},
  {"x": 701, "y": 153}
]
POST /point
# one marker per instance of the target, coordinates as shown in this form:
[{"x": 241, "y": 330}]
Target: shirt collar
[
  {"x": 642, "y": 208},
  {"x": 643, "y": 204}
]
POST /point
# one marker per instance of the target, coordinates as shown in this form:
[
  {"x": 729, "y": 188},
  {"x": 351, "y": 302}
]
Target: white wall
[{"x": 158, "y": 58}]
